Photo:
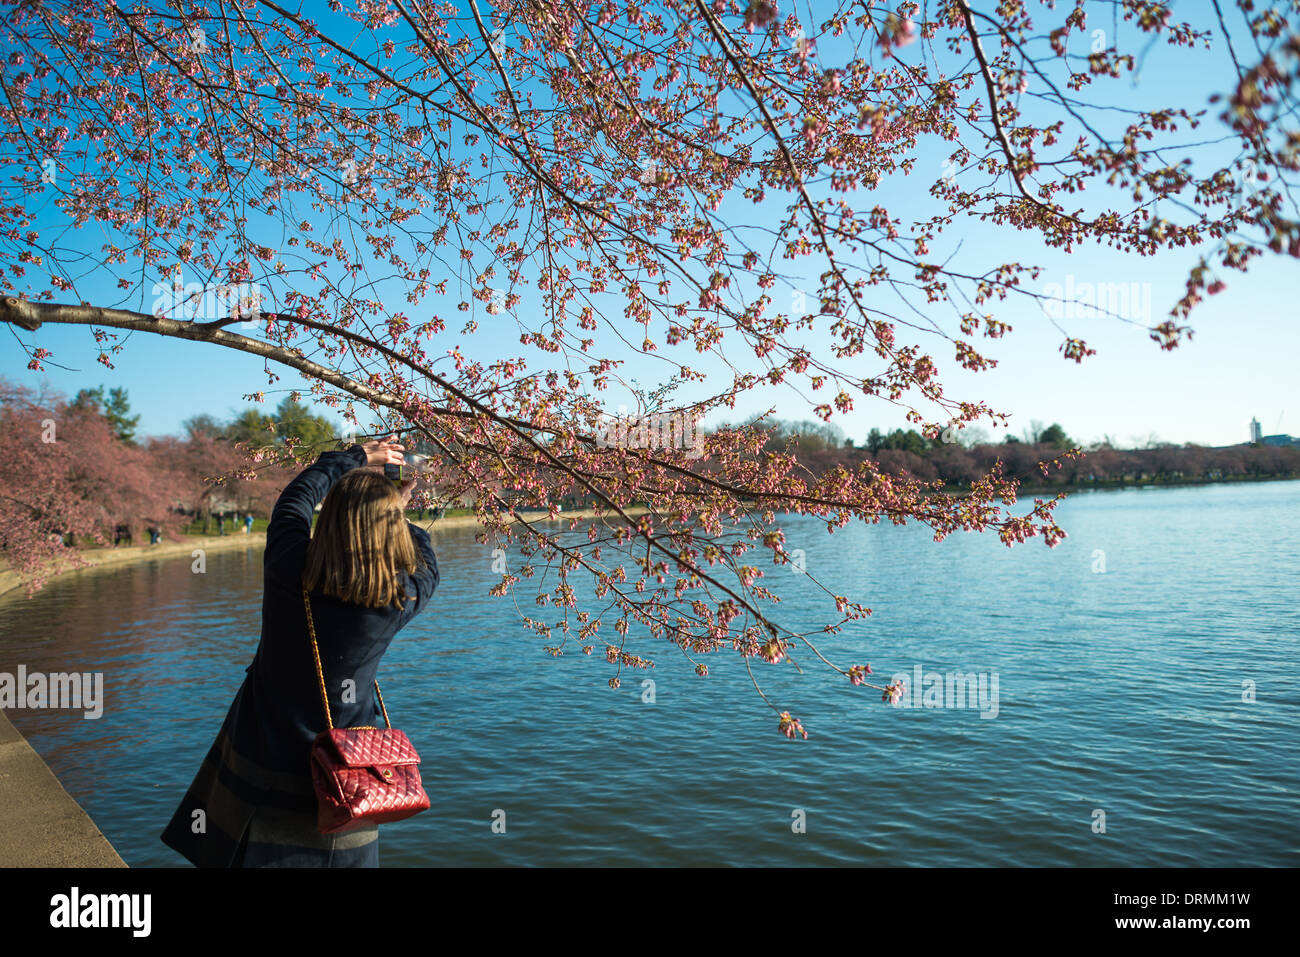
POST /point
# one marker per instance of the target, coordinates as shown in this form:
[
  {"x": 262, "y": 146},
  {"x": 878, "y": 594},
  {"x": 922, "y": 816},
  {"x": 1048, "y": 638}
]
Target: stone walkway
[{"x": 40, "y": 824}]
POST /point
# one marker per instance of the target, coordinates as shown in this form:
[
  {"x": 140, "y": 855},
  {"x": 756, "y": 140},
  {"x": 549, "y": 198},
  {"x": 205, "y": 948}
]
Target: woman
[{"x": 368, "y": 572}]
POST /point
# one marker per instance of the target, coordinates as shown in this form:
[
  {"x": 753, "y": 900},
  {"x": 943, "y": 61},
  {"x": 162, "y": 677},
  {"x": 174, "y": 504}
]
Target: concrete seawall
[{"x": 40, "y": 824}]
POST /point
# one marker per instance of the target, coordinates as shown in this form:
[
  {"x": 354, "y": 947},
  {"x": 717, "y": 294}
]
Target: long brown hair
[{"x": 361, "y": 542}]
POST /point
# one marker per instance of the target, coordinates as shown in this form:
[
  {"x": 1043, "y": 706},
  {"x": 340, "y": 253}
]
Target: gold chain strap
[{"x": 320, "y": 675}]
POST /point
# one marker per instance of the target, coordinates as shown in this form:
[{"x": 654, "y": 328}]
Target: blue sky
[{"x": 1239, "y": 364}]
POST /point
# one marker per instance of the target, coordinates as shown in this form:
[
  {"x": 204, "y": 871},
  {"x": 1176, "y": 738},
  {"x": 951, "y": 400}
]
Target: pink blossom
[{"x": 790, "y": 726}]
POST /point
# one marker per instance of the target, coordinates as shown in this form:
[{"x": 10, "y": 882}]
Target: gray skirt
[{"x": 280, "y": 838}]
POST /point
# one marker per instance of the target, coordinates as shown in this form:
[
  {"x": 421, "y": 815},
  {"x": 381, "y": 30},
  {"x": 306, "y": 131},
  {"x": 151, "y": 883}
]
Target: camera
[{"x": 414, "y": 466}]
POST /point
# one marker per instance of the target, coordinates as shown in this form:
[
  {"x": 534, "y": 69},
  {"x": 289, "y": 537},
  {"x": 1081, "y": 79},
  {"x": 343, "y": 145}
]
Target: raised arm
[{"x": 291, "y": 518}]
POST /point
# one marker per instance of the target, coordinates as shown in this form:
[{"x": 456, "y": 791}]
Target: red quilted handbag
[{"x": 363, "y": 775}]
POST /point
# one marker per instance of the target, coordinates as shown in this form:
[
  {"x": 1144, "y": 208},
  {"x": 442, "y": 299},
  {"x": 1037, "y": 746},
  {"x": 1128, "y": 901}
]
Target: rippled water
[{"x": 1119, "y": 692}]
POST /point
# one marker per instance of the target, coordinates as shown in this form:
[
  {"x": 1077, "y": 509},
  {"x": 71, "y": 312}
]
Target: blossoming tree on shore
[{"x": 475, "y": 221}]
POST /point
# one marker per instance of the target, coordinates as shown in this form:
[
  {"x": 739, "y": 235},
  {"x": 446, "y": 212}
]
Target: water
[{"x": 1120, "y": 692}]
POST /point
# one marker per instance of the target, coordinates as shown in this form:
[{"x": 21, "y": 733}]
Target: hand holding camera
[
  {"x": 384, "y": 452},
  {"x": 403, "y": 470}
]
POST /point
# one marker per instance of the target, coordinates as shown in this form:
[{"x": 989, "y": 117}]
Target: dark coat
[{"x": 260, "y": 762}]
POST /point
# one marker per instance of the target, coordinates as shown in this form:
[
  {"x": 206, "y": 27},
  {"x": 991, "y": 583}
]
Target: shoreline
[
  {"x": 100, "y": 558},
  {"x": 1115, "y": 485},
  {"x": 11, "y": 581}
]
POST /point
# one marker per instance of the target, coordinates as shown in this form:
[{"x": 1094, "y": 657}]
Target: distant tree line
[
  {"x": 969, "y": 455},
  {"x": 76, "y": 472}
]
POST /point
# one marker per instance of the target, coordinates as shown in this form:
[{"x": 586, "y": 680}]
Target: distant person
[
  {"x": 248, "y": 523},
  {"x": 221, "y": 523},
  {"x": 368, "y": 572},
  {"x": 155, "y": 535}
]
